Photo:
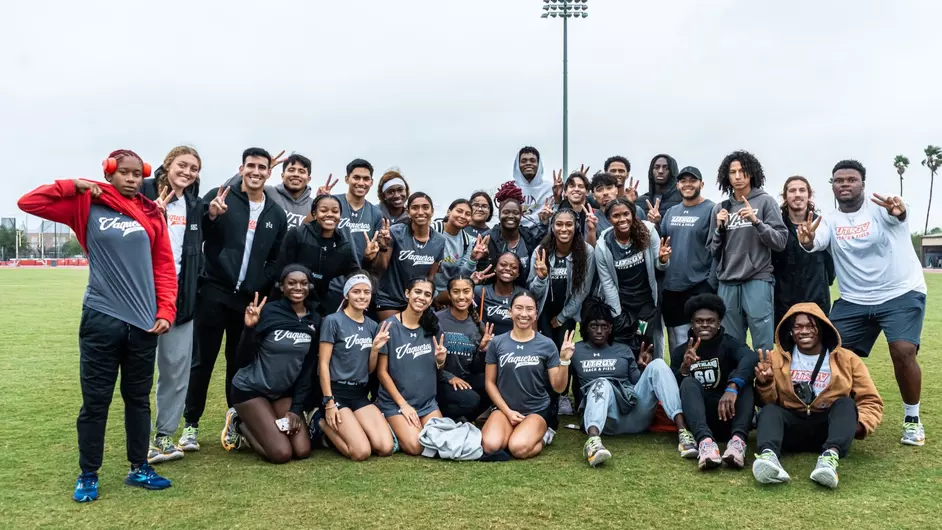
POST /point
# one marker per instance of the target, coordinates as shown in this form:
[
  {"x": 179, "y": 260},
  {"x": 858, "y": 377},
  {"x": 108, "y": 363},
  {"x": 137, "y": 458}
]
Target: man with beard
[
  {"x": 691, "y": 270},
  {"x": 358, "y": 216},
  {"x": 662, "y": 189},
  {"x": 604, "y": 191},
  {"x": 528, "y": 175},
  {"x": 800, "y": 276},
  {"x": 294, "y": 192},
  {"x": 618, "y": 167},
  {"x": 880, "y": 278}
]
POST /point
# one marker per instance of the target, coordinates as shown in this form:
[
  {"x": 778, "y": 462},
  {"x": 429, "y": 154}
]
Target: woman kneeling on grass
[
  {"x": 132, "y": 287},
  {"x": 410, "y": 367},
  {"x": 275, "y": 360},
  {"x": 521, "y": 366},
  {"x": 349, "y": 351}
]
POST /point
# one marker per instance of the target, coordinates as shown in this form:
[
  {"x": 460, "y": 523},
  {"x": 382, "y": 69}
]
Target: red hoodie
[{"x": 59, "y": 202}]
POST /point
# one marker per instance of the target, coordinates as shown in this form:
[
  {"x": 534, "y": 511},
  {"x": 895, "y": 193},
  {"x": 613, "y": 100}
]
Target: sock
[
  {"x": 706, "y": 440},
  {"x": 911, "y": 411},
  {"x": 831, "y": 451}
]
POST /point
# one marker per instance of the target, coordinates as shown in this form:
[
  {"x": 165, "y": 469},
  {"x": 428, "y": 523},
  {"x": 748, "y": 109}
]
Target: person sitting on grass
[
  {"x": 410, "y": 367},
  {"x": 715, "y": 372},
  {"x": 129, "y": 302},
  {"x": 817, "y": 394},
  {"x": 521, "y": 366},
  {"x": 349, "y": 351},
  {"x": 275, "y": 370},
  {"x": 620, "y": 397}
]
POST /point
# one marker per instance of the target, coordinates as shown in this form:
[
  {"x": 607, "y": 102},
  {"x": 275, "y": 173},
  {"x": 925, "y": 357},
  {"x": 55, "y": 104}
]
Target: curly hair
[
  {"x": 788, "y": 181},
  {"x": 578, "y": 250},
  {"x": 594, "y": 308},
  {"x": 387, "y": 176},
  {"x": 617, "y": 158},
  {"x": 708, "y": 301},
  {"x": 851, "y": 164},
  {"x": 750, "y": 164},
  {"x": 508, "y": 191},
  {"x": 638, "y": 234}
]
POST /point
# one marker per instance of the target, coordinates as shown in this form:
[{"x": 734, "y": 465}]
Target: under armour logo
[
  {"x": 312, "y": 327},
  {"x": 360, "y": 328},
  {"x": 519, "y": 347},
  {"x": 268, "y": 224},
  {"x": 413, "y": 335},
  {"x": 596, "y": 354},
  {"x": 194, "y": 226}
]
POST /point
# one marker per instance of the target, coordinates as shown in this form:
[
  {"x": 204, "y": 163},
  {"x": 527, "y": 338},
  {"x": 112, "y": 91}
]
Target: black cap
[{"x": 690, "y": 170}]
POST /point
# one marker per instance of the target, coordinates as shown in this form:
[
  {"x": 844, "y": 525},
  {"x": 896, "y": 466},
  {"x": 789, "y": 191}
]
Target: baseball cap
[{"x": 690, "y": 170}]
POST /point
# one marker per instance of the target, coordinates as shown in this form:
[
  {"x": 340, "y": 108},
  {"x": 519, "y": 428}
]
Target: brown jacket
[{"x": 849, "y": 375}]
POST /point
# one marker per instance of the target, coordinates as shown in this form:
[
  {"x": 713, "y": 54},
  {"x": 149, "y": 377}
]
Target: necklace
[
  {"x": 418, "y": 244},
  {"x": 256, "y": 208}
]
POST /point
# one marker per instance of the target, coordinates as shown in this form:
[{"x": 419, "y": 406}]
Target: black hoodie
[
  {"x": 723, "y": 360},
  {"x": 670, "y": 197},
  {"x": 801, "y": 276},
  {"x": 224, "y": 245},
  {"x": 192, "y": 260},
  {"x": 327, "y": 258}
]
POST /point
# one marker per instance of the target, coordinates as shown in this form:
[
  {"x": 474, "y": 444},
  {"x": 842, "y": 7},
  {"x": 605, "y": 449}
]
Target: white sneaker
[
  {"x": 188, "y": 439},
  {"x": 768, "y": 470},
  {"x": 565, "y": 406},
  {"x": 913, "y": 434},
  {"x": 549, "y": 436},
  {"x": 825, "y": 472}
]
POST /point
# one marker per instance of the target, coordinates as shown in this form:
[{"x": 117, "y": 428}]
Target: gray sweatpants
[
  {"x": 749, "y": 304},
  {"x": 657, "y": 383},
  {"x": 174, "y": 355}
]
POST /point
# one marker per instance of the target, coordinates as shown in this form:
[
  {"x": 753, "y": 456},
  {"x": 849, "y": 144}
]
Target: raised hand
[
  {"x": 539, "y": 265},
  {"x": 722, "y": 217},
  {"x": 480, "y": 247},
  {"x": 479, "y": 277},
  {"x": 277, "y": 160},
  {"x": 568, "y": 347},
  {"x": 382, "y": 336},
  {"x": 664, "y": 252},
  {"x": 654, "y": 212},
  {"x": 164, "y": 198},
  {"x": 764, "y": 368},
  {"x": 547, "y": 211},
  {"x": 81, "y": 186},
  {"x": 372, "y": 246},
  {"x": 487, "y": 337},
  {"x": 441, "y": 352},
  {"x": 806, "y": 230},
  {"x": 218, "y": 205},
  {"x": 690, "y": 355},
  {"x": 558, "y": 185},
  {"x": 458, "y": 383},
  {"x": 161, "y": 326},
  {"x": 591, "y": 220},
  {"x": 253, "y": 310},
  {"x": 631, "y": 192},
  {"x": 747, "y": 212},
  {"x": 326, "y": 188},
  {"x": 646, "y": 355},
  {"x": 384, "y": 237},
  {"x": 584, "y": 170},
  {"x": 894, "y": 205}
]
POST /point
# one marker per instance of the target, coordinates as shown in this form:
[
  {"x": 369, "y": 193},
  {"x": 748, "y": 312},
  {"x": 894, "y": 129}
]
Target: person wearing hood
[
  {"x": 293, "y": 194},
  {"x": 745, "y": 229},
  {"x": 528, "y": 175},
  {"x": 818, "y": 397},
  {"x": 175, "y": 188},
  {"x": 662, "y": 189},
  {"x": 242, "y": 231}
]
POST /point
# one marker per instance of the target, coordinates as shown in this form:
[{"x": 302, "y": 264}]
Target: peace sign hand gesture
[
  {"x": 372, "y": 246},
  {"x": 690, "y": 356},
  {"x": 806, "y": 230},
  {"x": 218, "y": 205},
  {"x": 480, "y": 247},
  {"x": 764, "y": 368},
  {"x": 646, "y": 355},
  {"x": 558, "y": 185},
  {"x": 584, "y": 170},
  {"x": 631, "y": 192},
  {"x": 479, "y": 277},
  {"x": 539, "y": 265},
  {"x": 568, "y": 347},
  {"x": 441, "y": 352},
  {"x": 664, "y": 253},
  {"x": 547, "y": 211},
  {"x": 326, "y": 188},
  {"x": 487, "y": 337},
  {"x": 164, "y": 198},
  {"x": 382, "y": 336},
  {"x": 654, "y": 212},
  {"x": 253, "y": 310},
  {"x": 277, "y": 160},
  {"x": 384, "y": 237},
  {"x": 894, "y": 205},
  {"x": 591, "y": 220}
]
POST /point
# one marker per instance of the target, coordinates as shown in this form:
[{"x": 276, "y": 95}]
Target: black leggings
[
  {"x": 469, "y": 404},
  {"x": 701, "y": 412},
  {"x": 795, "y": 431}
]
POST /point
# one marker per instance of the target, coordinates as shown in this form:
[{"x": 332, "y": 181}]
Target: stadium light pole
[{"x": 565, "y": 9}]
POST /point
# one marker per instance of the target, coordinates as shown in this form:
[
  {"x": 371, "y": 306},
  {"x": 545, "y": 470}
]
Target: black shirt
[{"x": 634, "y": 289}]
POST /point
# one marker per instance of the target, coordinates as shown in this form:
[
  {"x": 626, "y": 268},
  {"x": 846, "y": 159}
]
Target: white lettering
[
  {"x": 416, "y": 259},
  {"x": 354, "y": 227},
  {"x": 599, "y": 365},
  {"x": 128, "y": 227},
  {"x": 498, "y": 310},
  {"x": 414, "y": 351},
  {"x": 297, "y": 337},
  {"x": 630, "y": 261},
  {"x": 356, "y": 340},
  {"x": 519, "y": 360}
]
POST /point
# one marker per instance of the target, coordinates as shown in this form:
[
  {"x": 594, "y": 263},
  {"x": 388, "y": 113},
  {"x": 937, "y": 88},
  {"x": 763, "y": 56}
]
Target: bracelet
[
  {"x": 565, "y": 363},
  {"x": 732, "y": 390}
]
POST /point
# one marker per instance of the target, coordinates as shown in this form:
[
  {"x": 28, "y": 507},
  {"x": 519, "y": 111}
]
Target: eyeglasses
[{"x": 480, "y": 207}]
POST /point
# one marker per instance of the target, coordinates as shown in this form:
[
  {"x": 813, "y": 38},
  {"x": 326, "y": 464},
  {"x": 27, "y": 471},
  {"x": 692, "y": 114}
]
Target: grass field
[{"x": 646, "y": 485}]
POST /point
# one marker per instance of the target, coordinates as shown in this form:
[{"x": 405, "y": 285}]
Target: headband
[
  {"x": 393, "y": 182},
  {"x": 354, "y": 280}
]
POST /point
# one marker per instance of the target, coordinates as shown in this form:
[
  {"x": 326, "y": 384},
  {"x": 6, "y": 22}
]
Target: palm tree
[
  {"x": 933, "y": 161},
  {"x": 901, "y": 163}
]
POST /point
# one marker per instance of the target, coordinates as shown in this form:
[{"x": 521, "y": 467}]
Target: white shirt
[
  {"x": 803, "y": 366},
  {"x": 176, "y": 226},
  {"x": 873, "y": 254},
  {"x": 255, "y": 210}
]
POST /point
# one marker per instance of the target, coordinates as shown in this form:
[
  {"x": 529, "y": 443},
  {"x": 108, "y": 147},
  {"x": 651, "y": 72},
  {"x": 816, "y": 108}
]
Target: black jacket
[
  {"x": 723, "y": 360},
  {"x": 191, "y": 263},
  {"x": 224, "y": 245},
  {"x": 327, "y": 258},
  {"x": 530, "y": 236},
  {"x": 801, "y": 276},
  {"x": 671, "y": 196}
]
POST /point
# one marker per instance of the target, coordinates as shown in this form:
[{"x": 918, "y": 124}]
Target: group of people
[{"x": 352, "y": 325}]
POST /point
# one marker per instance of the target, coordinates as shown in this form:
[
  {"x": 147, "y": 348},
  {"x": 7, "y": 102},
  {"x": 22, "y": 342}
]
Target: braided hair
[{"x": 508, "y": 191}]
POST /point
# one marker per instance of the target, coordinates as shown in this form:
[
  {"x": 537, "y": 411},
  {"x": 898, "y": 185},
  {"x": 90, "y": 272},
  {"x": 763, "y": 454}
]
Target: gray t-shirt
[
  {"x": 689, "y": 230},
  {"x": 120, "y": 268},
  {"x": 411, "y": 366},
  {"x": 352, "y": 340},
  {"x": 462, "y": 338},
  {"x": 496, "y": 308},
  {"x": 355, "y": 223},
  {"x": 277, "y": 364},
  {"x": 522, "y": 377},
  {"x": 615, "y": 361},
  {"x": 408, "y": 259}
]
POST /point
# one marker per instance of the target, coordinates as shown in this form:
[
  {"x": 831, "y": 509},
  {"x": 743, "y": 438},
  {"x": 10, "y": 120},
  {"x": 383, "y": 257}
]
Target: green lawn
[{"x": 883, "y": 484}]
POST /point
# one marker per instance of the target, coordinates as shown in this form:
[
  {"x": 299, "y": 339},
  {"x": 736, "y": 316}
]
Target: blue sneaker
[
  {"x": 86, "y": 487},
  {"x": 144, "y": 476}
]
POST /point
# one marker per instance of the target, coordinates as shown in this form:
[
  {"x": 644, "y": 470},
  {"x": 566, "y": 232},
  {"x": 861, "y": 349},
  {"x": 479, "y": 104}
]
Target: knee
[
  {"x": 521, "y": 449},
  {"x": 360, "y": 451},
  {"x": 384, "y": 448},
  {"x": 491, "y": 444},
  {"x": 659, "y": 366},
  {"x": 903, "y": 352},
  {"x": 844, "y": 404},
  {"x": 280, "y": 453},
  {"x": 302, "y": 452},
  {"x": 690, "y": 384},
  {"x": 770, "y": 412},
  {"x": 411, "y": 447},
  {"x": 472, "y": 400}
]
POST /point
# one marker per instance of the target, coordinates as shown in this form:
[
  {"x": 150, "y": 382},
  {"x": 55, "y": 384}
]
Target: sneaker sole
[
  {"x": 600, "y": 457},
  {"x": 145, "y": 486},
  {"x": 84, "y": 499},
  {"x": 913, "y": 443},
  {"x": 165, "y": 457},
  {"x": 189, "y": 448},
  {"x": 732, "y": 462},
  {"x": 222, "y": 436},
  {"x": 689, "y": 453},
  {"x": 828, "y": 480},
  {"x": 710, "y": 464},
  {"x": 766, "y": 473}
]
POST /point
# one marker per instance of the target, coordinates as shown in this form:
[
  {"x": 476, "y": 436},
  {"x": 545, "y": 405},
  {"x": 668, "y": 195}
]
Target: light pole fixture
[{"x": 565, "y": 9}]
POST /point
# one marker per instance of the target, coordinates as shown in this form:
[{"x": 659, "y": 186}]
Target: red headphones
[{"x": 110, "y": 165}]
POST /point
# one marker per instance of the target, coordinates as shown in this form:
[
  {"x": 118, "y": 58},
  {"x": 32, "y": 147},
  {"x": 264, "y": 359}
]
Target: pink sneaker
[
  {"x": 735, "y": 454},
  {"x": 709, "y": 454}
]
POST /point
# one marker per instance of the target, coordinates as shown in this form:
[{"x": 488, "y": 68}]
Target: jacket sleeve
[
  {"x": 288, "y": 253},
  {"x": 745, "y": 372},
  {"x": 247, "y": 348},
  {"x": 634, "y": 372},
  {"x": 715, "y": 239},
  {"x": 771, "y": 228},
  {"x": 655, "y": 247},
  {"x": 304, "y": 385},
  {"x": 869, "y": 402},
  {"x": 574, "y": 305},
  {"x": 348, "y": 260},
  {"x": 466, "y": 266},
  {"x": 769, "y": 393},
  {"x": 165, "y": 272},
  {"x": 536, "y": 284},
  {"x": 209, "y": 225},
  {"x": 57, "y": 202},
  {"x": 271, "y": 262},
  {"x": 607, "y": 284},
  {"x": 677, "y": 359}
]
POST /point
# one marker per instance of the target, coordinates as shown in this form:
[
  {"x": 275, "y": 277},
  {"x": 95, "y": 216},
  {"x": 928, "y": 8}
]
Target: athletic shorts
[
  {"x": 241, "y": 396},
  {"x": 350, "y": 396},
  {"x": 546, "y": 414},
  {"x": 391, "y": 409},
  {"x": 900, "y": 319},
  {"x": 672, "y": 304}
]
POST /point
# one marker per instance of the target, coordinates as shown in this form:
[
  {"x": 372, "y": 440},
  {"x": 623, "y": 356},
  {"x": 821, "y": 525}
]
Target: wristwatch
[{"x": 327, "y": 399}]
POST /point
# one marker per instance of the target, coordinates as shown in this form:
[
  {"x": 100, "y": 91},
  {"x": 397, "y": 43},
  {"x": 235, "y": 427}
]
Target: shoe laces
[
  {"x": 737, "y": 444},
  {"x": 189, "y": 431},
  {"x": 686, "y": 437},
  {"x": 87, "y": 480},
  {"x": 828, "y": 459},
  {"x": 768, "y": 455},
  {"x": 911, "y": 427},
  {"x": 146, "y": 470},
  {"x": 164, "y": 443},
  {"x": 594, "y": 443}
]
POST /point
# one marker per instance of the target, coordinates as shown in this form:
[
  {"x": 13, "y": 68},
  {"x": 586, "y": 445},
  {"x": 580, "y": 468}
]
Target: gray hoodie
[
  {"x": 608, "y": 277},
  {"x": 745, "y": 250},
  {"x": 542, "y": 289},
  {"x": 535, "y": 192}
]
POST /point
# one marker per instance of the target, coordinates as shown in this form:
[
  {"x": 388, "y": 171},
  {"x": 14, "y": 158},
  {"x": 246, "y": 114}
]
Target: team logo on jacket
[
  {"x": 296, "y": 336},
  {"x": 519, "y": 360},
  {"x": 414, "y": 351},
  {"x": 115, "y": 223},
  {"x": 707, "y": 372},
  {"x": 630, "y": 261},
  {"x": 356, "y": 340},
  {"x": 416, "y": 259}
]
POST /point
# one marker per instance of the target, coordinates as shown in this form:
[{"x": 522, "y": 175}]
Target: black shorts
[
  {"x": 347, "y": 396},
  {"x": 546, "y": 414},
  {"x": 241, "y": 396},
  {"x": 672, "y": 303}
]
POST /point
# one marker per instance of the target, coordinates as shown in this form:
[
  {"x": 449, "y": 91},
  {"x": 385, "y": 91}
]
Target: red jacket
[{"x": 60, "y": 203}]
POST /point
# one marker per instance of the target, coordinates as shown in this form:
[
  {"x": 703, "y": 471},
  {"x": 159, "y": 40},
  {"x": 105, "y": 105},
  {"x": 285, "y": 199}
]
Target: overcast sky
[{"x": 448, "y": 91}]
